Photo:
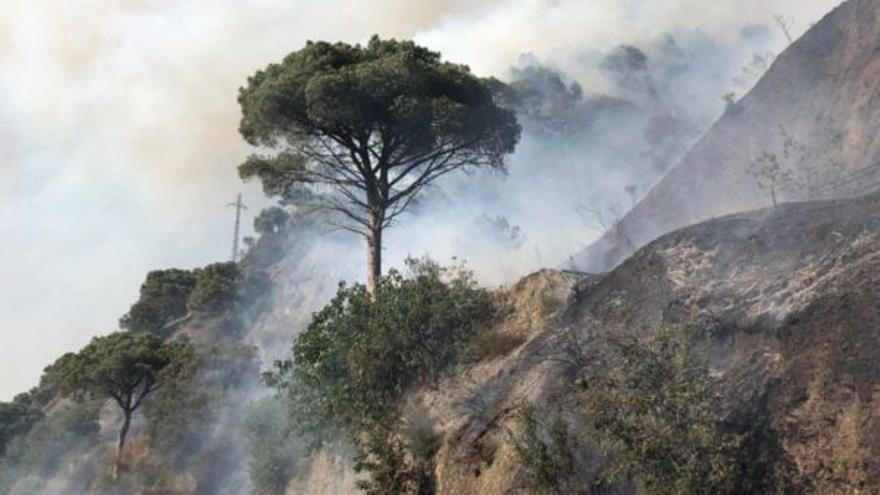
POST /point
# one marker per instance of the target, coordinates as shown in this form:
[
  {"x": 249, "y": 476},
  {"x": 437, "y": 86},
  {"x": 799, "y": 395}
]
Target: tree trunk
[
  {"x": 126, "y": 423},
  {"x": 374, "y": 252}
]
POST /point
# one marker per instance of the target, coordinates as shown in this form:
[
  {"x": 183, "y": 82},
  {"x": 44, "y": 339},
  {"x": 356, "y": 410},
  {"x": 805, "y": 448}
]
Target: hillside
[
  {"x": 786, "y": 306},
  {"x": 748, "y": 330},
  {"x": 822, "y": 92},
  {"x": 783, "y": 302}
]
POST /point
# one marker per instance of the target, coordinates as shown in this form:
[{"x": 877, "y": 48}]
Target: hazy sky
[{"x": 118, "y": 120}]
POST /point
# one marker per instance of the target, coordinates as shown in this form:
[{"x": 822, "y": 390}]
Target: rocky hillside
[
  {"x": 785, "y": 302},
  {"x": 822, "y": 94}
]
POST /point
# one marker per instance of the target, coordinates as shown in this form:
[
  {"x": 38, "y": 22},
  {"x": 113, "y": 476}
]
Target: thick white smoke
[{"x": 119, "y": 138}]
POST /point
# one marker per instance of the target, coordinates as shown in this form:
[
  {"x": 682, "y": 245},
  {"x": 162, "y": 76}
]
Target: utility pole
[{"x": 238, "y": 205}]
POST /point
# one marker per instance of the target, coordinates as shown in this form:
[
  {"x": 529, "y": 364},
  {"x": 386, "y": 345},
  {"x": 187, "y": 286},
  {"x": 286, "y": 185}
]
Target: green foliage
[
  {"x": 220, "y": 290},
  {"x": 543, "y": 449},
  {"x": 362, "y": 130},
  {"x": 652, "y": 408},
  {"x": 216, "y": 289},
  {"x": 272, "y": 450},
  {"x": 120, "y": 366},
  {"x": 357, "y": 357},
  {"x": 16, "y": 417},
  {"x": 273, "y": 226},
  {"x": 70, "y": 428},
  {"x": 226, "y": 292},
  {"x": 395, "y": 87},
  {"x": 162, "y": 300},
  {"x": 397, "y": 464},
  {"x": 196, "y": 383},
  {"x": 113, "y": 366}
]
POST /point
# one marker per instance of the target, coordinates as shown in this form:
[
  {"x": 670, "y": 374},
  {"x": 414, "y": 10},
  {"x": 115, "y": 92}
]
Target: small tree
[
  {"x": 120, "y": 366},
  {"x": 368, "y": 127},
  {"x": 770, "y": 175},
  {"x": 785, "y": 24}
]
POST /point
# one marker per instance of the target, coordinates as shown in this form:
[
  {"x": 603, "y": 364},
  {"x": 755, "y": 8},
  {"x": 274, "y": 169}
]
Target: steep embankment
[
  {"x": 785, "y": 302},
  {"x": 823, "y": 91}
]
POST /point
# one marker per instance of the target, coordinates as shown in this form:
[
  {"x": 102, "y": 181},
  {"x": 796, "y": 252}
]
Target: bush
[
  {"x": 652, "y": 408},
  {"x": 17, "y": 418},
  {"x": 357, "y": 357},
  {"x": 398, "y": 464},
  {"x": 69, "y": 429},
  {"x": 197, "y": 382},
  {"x": 271, "y": 447},
  {"x": 543, "y": 449},
  {"x": 226, "y": 294}
]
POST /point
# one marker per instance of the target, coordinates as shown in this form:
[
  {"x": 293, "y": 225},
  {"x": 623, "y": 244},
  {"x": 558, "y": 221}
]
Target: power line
[{"x": 238, "y": 205}]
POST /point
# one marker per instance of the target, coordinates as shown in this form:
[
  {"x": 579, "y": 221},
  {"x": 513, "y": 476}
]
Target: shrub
[
  {"x": 652, "y": 408},
  {"x": 194, "y": 385},
  {"x": 272, "y": 452},
  {"x": 358, "y": 356},
  {"x": 71, "y": 427},
  {"x": 543, "y": 449},
  {"x": 17, "y": 418}
]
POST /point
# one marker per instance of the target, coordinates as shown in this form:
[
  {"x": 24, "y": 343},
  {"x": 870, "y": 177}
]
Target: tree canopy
[
  {"x": 363, "y": 129},
  {"x": 122, "y": 366},
  {"x": 163, "y": 297}
]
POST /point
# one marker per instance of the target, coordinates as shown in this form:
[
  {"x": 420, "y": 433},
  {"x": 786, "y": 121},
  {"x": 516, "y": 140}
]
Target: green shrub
[
  {"x": 397, "y": 465},
  {"x": 70, "y": 428},
  {"x": 358, "y": 356},
  {"x": 543, "y": 448},
  {"x": 197, "y": 382},
  {"x": 652, "y": 408},
  {"x": 273, "y": 452},
  {"x": 17, "y": 418}
]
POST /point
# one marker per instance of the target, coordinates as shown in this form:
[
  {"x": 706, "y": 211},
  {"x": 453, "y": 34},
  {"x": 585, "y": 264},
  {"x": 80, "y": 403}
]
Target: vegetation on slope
[{"x": 358, "y": 358}]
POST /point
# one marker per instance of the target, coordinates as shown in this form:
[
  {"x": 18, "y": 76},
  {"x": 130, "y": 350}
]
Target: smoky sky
[{"x": 118, "y": 135}]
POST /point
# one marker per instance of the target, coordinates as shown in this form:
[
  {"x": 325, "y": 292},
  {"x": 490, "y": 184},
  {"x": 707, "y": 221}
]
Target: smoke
[
  {"x": 119, "y": 134},
  {"x": 119, "y": 146},
  {"x": 120, "y": 142}
]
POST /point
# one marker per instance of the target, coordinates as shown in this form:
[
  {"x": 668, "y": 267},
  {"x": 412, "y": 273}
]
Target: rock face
[
  {"x": 824, "y": 91},
  {"x": 785, "y": 302}
]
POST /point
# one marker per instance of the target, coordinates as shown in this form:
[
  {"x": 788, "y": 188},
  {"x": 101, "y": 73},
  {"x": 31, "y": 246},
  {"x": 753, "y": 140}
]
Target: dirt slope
[
  {"x": 824, "y": 90},
  {"x": 786, "y": 303}
]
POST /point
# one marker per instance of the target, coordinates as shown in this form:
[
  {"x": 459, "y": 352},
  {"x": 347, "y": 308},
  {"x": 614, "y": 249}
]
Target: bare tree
[
  {"x": 599, "y": 213},
  {"x": 769, "y": 174},
  {"x": 785, "y": 24},
  {"x": 754, "y": 70}
]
